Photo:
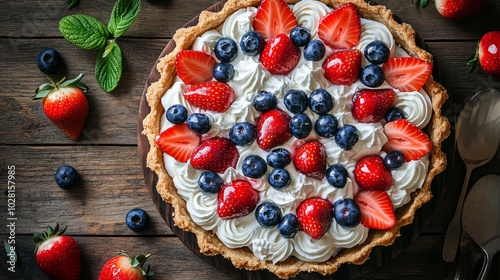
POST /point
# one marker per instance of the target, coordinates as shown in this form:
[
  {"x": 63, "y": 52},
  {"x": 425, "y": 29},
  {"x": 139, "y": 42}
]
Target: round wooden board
[{"x": 379, "y": 255}]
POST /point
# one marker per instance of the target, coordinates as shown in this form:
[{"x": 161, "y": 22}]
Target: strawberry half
[
  {"x": 370, "y": 106},
  {"x": 315, "y": 216},
  {"x": 124, "y": 267},
  {"x": 236, "y": 199},
  {"x": 488, "y": 54},
  {"x": 376, "y": 209},
  {"x": 460, "y": 9},
  {"x": 178, "y": 142},
  {"x": 215, "y": 154},
  {"x": 280, "y": 55},
  {"x": 274, "y": 17},
  {"x": 310, "y": 159},
  {"x": 343, "y": 67},
  {"x": 65, "y": 104},
  {"x": 340, "y": 29},
  {"x": 57, "y": 256},
  {"x": 407, "y": 73},
  {"x": 372, "y": 174},
  {"x": 194, "y": 67},
  {"x": 404, "y": 136},
  {"x": 214, "y": 96},
  {"x": 273, "y": 129}
]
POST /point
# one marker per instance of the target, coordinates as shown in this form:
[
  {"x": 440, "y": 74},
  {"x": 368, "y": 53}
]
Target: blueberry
[
  {"x": 300, "y": 36},
  {"x": 326, "y": 126},
  {"x": 347, "y": 136},
  {"x": 289, "y": 226},
  {"x": 279, "y": 158},
  {"x": 372, "y": 76},
  {"x": 209, "y": 182},
  {"x": 254, "y": 167},
  {"x": 279, "y": 178},
  {"x": 226, "y": 50},
  {"x": 320, "y": 101},
  {"x": 67, "y": 177},
  {"x": 268, "y": 214},
  {"x": 137, "y": 219},
  {"x": 394, "y": 159},
  {"x": 264, "y": 101},
  {"x": 394, "y": 114},
  {"x": 296, "y": 101},
  {"x": 198, "y": 123},
  {"x": 347, "y": 212},
  {"x": 48, "y": 61},
  {"x": 242, "y": 134},
  {"x": 223, "y": 72},
  {"x": 377, "y": 52},
  {"x": 301, "y": 126},
  {"x": 177, "y": 114},
  {"x": 336, "y": 175},
  {"x": 314, "y": 51},
  {"x": 252, "y": 43}
]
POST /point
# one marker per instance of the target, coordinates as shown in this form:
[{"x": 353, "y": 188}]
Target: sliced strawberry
[
  {"x": 214, "y": 96},
  {"x": 315, "y": 216},
  {"x": 404, "y": 136},
  {"x": 273, "y": 129},
  {"x": 372, "y": 174},
  {"x": 340, "y": 29},
  {"x": 460, "y": 9},
  {"x": 280, "y": 55},
  {"x": 274, "y": 17},
  {"x": 407, "y": 73},
  {"x": 343, "y": 67},
  {"x": 370, "y": 106},
  {"x": 376, "y": 209},
  {"x": 216, "y": 154},
  {"x": 178, "y": 142},
  {"x": 310, "y": 159},
  {"x": 194, "y": 66},
  {"x": 236, "y": 199}
]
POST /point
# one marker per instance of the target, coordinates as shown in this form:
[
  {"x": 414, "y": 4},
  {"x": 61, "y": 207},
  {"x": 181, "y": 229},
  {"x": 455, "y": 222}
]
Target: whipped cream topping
[{"x": 251, "y": 78}]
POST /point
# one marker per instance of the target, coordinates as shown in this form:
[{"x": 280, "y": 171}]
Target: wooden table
[{"x": 106, "y": 155}]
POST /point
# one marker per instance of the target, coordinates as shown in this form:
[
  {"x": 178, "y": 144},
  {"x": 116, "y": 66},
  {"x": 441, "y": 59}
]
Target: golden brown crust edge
[{"x": 438, "y": 129}]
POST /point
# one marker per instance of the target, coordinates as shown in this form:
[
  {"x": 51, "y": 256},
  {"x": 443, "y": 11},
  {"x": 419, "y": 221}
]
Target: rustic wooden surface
[{"x": 106, "y": 155}]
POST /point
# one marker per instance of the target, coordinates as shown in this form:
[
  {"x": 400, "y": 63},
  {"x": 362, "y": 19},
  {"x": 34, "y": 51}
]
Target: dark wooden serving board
[{"x": 379, "y": 255}]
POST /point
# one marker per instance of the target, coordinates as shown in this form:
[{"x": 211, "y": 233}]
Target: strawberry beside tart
[{"x": 295, "y": 136}]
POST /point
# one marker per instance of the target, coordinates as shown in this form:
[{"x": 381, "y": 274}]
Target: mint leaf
[
  {"x": 123, "y": 15},
  {"x": 84, "y": 31},
  {"x": 71, "y": 2},
  {"x": 108, "y": 67}
]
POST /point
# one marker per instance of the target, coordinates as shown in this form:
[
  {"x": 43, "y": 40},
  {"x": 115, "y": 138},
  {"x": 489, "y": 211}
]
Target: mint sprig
[{"x": 89, "y": 33}]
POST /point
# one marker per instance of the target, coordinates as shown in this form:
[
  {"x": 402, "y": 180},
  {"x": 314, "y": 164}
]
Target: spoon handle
[
  {"x": 453, "y": 232},
  {"x": 486, "y": 267}
]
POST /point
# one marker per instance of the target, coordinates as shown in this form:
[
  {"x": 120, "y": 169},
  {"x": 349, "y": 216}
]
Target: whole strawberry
[
  {"x": 487, "y": 54},
  {"x": 370, "y": 106},
  {"x": 273, "y": 129},
  {"x": 280, "y": 55},
  {"x": 343, "y": 67},
  {"x": 460, "y": 9},
  {"x": 57, "y": 255},
  {"x": 65, "y": 104},
  {"x": 315, "y": 216},
  {"x": 372, "y": 174},
  {"x": 236, "y": 199},
  {"x": 215, "y": 154},
  {"x": 123, "y": 267},
  {"x": 310, "y": 159}
]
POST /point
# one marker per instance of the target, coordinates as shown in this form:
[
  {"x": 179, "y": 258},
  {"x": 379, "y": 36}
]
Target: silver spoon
[
  {"x": 479, "y": 218},
  {"x": 477, "y": 136}
]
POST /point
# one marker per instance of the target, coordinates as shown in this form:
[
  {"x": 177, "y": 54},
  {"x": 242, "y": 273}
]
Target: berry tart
[{"x": 295, "y": 135}]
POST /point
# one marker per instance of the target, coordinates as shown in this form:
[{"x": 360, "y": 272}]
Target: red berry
[
  {"x": 343, "y": 67},
  {"x": 371, "y": 105},
  {"x": 315, "y": 216},
  {"x": 120, "y": 268},
  {"x": 488, "y": 54},
  {"x": 372, "y": 174},
  {"x": 340, "y": 29},
  {"x": 274, "y": 17},
  {"x": 310, "y": 159},
  {"x": 273, "y": 129},
  {"x": 215, "y": 154},
  {"x": 214, "y": 96},
  {"x": 460, "y": 9},
  {"x": 404, "y": 136},
  {"x": 194, "y": 67},
  {"x": 376, "y": 209},
  {"x": 280, "y": 55},
  {"x": 178, "y": 141},
  {"x": 407, "y": 73},
  {"x": 236, "y": 199}
]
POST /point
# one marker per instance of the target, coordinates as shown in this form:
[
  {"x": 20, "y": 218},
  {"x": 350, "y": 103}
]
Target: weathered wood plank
[
  {"x": 112, "y": 184},
  {"x": 161, "y": 18}
]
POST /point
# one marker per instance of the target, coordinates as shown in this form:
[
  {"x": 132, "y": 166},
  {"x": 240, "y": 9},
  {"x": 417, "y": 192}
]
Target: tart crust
[{"x": 437, "y": 129}]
